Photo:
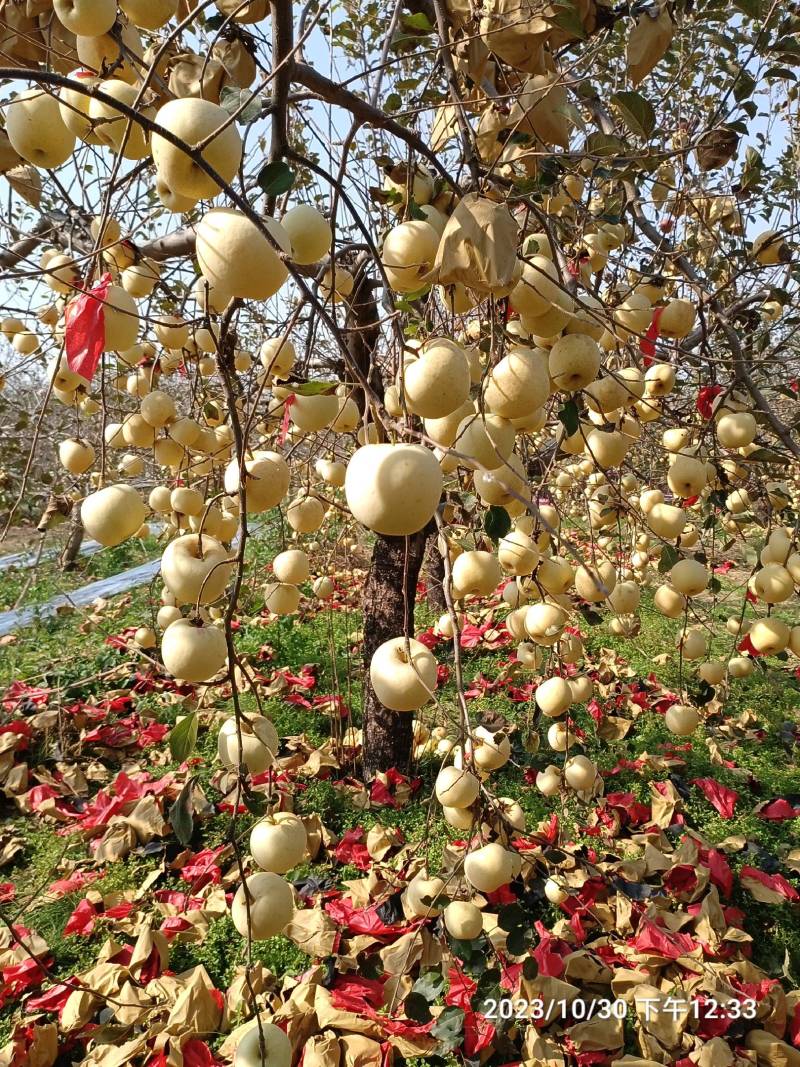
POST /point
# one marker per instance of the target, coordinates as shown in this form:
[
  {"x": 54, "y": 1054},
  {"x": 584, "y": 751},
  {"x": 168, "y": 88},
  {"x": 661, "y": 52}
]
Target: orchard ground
[
  {"x": 749, "y": 746},
  {"x": 29, "y": 585}
]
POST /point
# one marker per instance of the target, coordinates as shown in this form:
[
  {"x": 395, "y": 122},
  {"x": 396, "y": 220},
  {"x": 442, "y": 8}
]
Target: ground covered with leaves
[{"x": 678, "y": 940}]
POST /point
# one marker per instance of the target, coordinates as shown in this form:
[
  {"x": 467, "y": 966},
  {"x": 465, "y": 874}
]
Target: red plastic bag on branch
[
  {"x": 647, "y": 345},
  {"x": 85, "y": 329}
]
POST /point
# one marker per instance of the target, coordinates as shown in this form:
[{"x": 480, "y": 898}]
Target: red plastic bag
[
  {"x": 647, "y": 345},
  {"x": 85, "y": 329}
]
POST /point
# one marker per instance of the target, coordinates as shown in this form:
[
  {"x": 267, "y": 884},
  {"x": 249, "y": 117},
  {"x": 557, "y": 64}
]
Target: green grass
[
  {"x": 223, "y": 951},
  {"x": 47, "y": 580}
]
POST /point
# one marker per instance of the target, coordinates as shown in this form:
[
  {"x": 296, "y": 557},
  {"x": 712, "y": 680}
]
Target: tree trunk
[
  {"x": 434, "y": 574},
  {"x": 70, "y": 551},
  {"x": 388, "y": 606},
  {"x": 362, "y": 325},
  {"x": 389, "y": 612}
]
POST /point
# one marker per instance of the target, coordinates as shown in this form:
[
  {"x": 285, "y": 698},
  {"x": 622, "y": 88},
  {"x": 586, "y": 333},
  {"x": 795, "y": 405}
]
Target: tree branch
[
  {"x": 686, "y": 267},
  {"x": 361, "y": 109},
  {"x": 21, "y": 249},
  {"x": 467, "y": 135},
  {"x": 172, "y": 246},
  {"x": 282, "y": 67}
]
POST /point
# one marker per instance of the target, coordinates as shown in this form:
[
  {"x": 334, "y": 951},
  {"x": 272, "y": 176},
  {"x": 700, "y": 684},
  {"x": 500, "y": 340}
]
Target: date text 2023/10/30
[{"x": 647, "y": 1008}]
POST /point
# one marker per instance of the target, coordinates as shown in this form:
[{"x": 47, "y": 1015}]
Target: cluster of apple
[
  {"x": 488, "y": 865},
  {"x": 196, "y": 566},
  {"x": 395, "y": 489},
  {"x": 236, "y": 258},
  {"x": 477, "y": 414},
  {"x": 264, "y": 903},
  {"x": 277, "y": 842},
  {"x": 43, "y": 129},
  {"x": 564, "y": 343}
]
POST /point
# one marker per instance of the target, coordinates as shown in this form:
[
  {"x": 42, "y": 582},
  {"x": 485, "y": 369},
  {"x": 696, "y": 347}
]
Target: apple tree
[{"x": 503, "y": 294}]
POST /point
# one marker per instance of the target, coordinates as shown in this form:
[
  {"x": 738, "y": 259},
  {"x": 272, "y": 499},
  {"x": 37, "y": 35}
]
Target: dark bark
[
  {"x": 282, "y": 65},
  {"x": 389, "y": 612},
  {"x": 362, "y": 330},
  {"x": 55, "y": 227},
  {"x": 434, "y": 574},
  {"x": 73, "y": 546},
  {"x": 389, "y": 601},
  {"x": 539, "y": 463}
]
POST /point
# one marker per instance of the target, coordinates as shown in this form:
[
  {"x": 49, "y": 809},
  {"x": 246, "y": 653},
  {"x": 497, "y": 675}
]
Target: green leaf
[
  {"x": 572, "y": 115},
  {"x": 462, "y": 949},
  {"x": 534, "y": 245},
  {"x": 528, "y": 187},
  {"x": 569, "y": 418},
  {"x": 782, "y": 73},
  {"x": 390, "y": 197},
  {"x": 241, "y": 103},
  {"x": 497, "y": 522},
  {"x": 256, "y": 803},
  {"x": 753, "y": 170},
  {"x": 415, "y": 211},
  {"x": 439, "y": 901},
  {"x": 417, "y": 294},
  {"x": 473, "y": 954},
  {"x": 392, "y": 102},
  {"x": 488, "y": 980},
  {"x": 605, "y": 144},
  {"x": 418, "y": 21},
  {"x": 449, "y": 1029},
  {"x": 786, "y": 47},
  {"x": 488, "y": 988},
  {"x": 635, "y": 111},
  {"x": 416, "y": 1008},
  {"x": 669, "y": 557},
  {"x": 765, "y": 455},
  {"x": 180, "y": 814},
  {"x": 530, "y": 969},
  {"x": 183, "y": 738},
  {"x": 567, "y": 18},
  {"x": 517, "y": 940},
  {"x": 511, "y": 916},
  {"x": 276, "y": 178},
  {"x": 745, "y": 86},
  {"x": 429, "y": 985},
  {"x": 313, "y": 388}
]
